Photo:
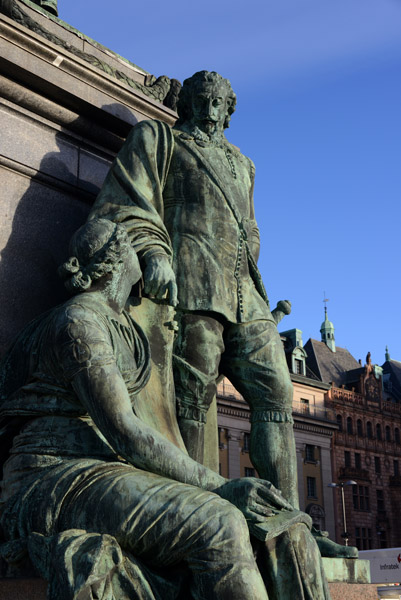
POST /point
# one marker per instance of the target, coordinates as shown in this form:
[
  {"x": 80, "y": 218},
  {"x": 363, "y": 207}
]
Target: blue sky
[{"x": 319, "y": 99}]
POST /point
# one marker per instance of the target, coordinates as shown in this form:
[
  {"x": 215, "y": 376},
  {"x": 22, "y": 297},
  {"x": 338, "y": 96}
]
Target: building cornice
[
  {"x": 316, "y": 429},
  {"x": 309, "y": 382},
  {"x": 233, "y": 412},
  {"x": 66, "y": 78}
]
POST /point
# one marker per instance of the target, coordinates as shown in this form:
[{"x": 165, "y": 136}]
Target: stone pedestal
[
  {"x": 349, "y": 570},
  {"x": 62, "y": 120},
  {"x": 345, "y": 591},
  {"x": 349, "y": 578}
]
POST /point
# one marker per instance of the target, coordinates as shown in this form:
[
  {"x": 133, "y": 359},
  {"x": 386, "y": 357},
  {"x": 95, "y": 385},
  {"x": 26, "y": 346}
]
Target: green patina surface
[
  {"x": 97, "y": 488},
  {"x": 346, "y": 570},
  {"x": 185, "y": 196},
  {"x": 108, "y": 418}
]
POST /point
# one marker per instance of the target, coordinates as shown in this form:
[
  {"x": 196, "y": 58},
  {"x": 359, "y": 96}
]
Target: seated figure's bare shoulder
[{"x": 82, "y": 337}]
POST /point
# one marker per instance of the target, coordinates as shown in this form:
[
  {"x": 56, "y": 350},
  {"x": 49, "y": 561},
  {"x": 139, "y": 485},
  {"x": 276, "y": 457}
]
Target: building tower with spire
[{"x": 327, "y": 332}]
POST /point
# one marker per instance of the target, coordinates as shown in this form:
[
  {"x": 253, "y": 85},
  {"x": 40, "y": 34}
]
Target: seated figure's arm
[
  {"x": 88, "y": 364},
  {"x": 104, "y": 394}
]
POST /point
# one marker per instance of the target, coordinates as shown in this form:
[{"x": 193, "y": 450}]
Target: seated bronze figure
[{"x": 106, "y": 506}]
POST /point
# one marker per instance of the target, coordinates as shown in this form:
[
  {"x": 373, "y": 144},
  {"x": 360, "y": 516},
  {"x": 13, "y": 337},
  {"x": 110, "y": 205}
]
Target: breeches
[{"x": 251, "y": 355}]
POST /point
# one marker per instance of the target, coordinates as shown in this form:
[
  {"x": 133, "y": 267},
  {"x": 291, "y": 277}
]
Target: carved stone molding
[
  {"x": 161, "y": 89},
  {"x": 63, "y": 76}
]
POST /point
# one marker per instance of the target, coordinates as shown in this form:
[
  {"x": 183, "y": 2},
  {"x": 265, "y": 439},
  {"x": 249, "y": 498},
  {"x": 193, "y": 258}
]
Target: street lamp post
[{"x": 341, "y": 487}]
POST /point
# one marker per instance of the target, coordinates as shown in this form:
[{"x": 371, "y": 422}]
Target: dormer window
[
  {"x": 298, "y": 359},
  {"x": 299, "y": 367}
]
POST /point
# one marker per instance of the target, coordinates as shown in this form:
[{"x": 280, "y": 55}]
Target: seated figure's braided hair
[{"x": 96, "y": 249}]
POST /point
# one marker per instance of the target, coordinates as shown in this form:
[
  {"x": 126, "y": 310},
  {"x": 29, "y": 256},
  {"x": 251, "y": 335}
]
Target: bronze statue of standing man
[{"x": 185, "y": 196}]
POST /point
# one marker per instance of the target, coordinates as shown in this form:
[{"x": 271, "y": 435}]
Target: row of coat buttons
[{"x": 236, "y": 273}]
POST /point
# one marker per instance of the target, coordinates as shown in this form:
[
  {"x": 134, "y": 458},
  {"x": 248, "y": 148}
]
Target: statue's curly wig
[
  {"x": 96, "y": 249},
  {"x": 184, "y": 105}
]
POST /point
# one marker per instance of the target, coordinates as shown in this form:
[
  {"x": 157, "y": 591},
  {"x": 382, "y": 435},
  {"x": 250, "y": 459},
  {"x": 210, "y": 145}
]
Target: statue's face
[{"x": 209, "y": 106}]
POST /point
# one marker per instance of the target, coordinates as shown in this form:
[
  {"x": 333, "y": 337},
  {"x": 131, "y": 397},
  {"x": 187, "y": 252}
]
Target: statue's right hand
[
  {"x": 256, "y": 498},
  {"x": 160, "y": 279}
]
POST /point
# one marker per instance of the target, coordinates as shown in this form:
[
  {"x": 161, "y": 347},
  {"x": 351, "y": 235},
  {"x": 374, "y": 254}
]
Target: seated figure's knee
[
  {"x": 227, "y": 527},
  {"x": 235, "y": 524}
]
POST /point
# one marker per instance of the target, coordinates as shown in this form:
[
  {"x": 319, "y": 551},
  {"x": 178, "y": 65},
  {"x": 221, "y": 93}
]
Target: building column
[{"x": 234, "y": 466}]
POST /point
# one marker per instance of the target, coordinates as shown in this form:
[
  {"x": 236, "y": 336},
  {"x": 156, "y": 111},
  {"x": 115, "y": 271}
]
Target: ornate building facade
[
  {"x": 367, "y": 443},
  {"x": 347, "y": 425}
]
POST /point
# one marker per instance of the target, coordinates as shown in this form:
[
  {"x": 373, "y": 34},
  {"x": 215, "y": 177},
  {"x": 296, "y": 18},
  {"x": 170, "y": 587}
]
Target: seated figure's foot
[{"x": 331, "y": 549}]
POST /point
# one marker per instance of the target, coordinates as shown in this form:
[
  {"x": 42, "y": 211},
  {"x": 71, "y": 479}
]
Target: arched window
[
  {"x": 340, "y": 422},
  {"x": 397, "y": 436},
  {"x": 369, "y": 430},
  {"x": 388, "y": 433},
  {"x": 350, "y": 428},
  {"x": 359, "y": 428},
  {"x": 379, "y": 432}
]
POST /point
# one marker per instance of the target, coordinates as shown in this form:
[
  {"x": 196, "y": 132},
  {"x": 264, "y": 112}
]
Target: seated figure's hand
[
  {"x": 160, "y": 279},
  {"x": 255, "y": 498}
]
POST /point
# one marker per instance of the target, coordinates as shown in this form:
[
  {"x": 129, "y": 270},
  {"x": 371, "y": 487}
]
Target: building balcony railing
[
  {"x": 342, "y": 395},
  {"x": 354, "y": 473},
  {"x": 316, "y": 412},
  {"x": 350, "y": 397},
  {"x": 391, "y": 407},
  {"x": 342, "y": 438}
]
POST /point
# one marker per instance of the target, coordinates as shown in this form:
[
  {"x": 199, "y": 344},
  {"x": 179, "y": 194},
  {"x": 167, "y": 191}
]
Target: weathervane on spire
[
  {"x": 325, "y": 301},
  {"x": 327, "y": 328}
]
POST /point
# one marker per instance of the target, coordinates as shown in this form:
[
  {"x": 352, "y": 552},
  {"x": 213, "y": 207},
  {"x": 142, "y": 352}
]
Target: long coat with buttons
[{"x": 192, "y": 201}]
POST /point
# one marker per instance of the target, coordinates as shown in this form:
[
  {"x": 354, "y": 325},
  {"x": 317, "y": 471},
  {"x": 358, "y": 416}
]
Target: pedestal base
[
  {"x": 349, "y": 578},
  {"x": 347, "y": 570},
  {"x": 353, "y": 591},
  {"x": 35, "y": 589}
]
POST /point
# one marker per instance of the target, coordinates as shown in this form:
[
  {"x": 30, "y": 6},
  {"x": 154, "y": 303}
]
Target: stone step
[
  {"x": 348, "y": 578},
  {"x": 353, "y": 591},
  {"x": 35, "y": 589}
]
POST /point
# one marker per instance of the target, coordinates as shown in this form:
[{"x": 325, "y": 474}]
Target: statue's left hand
[
  {"x": 160, "y": 279},
  {"x": 256, "y": 498}
]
